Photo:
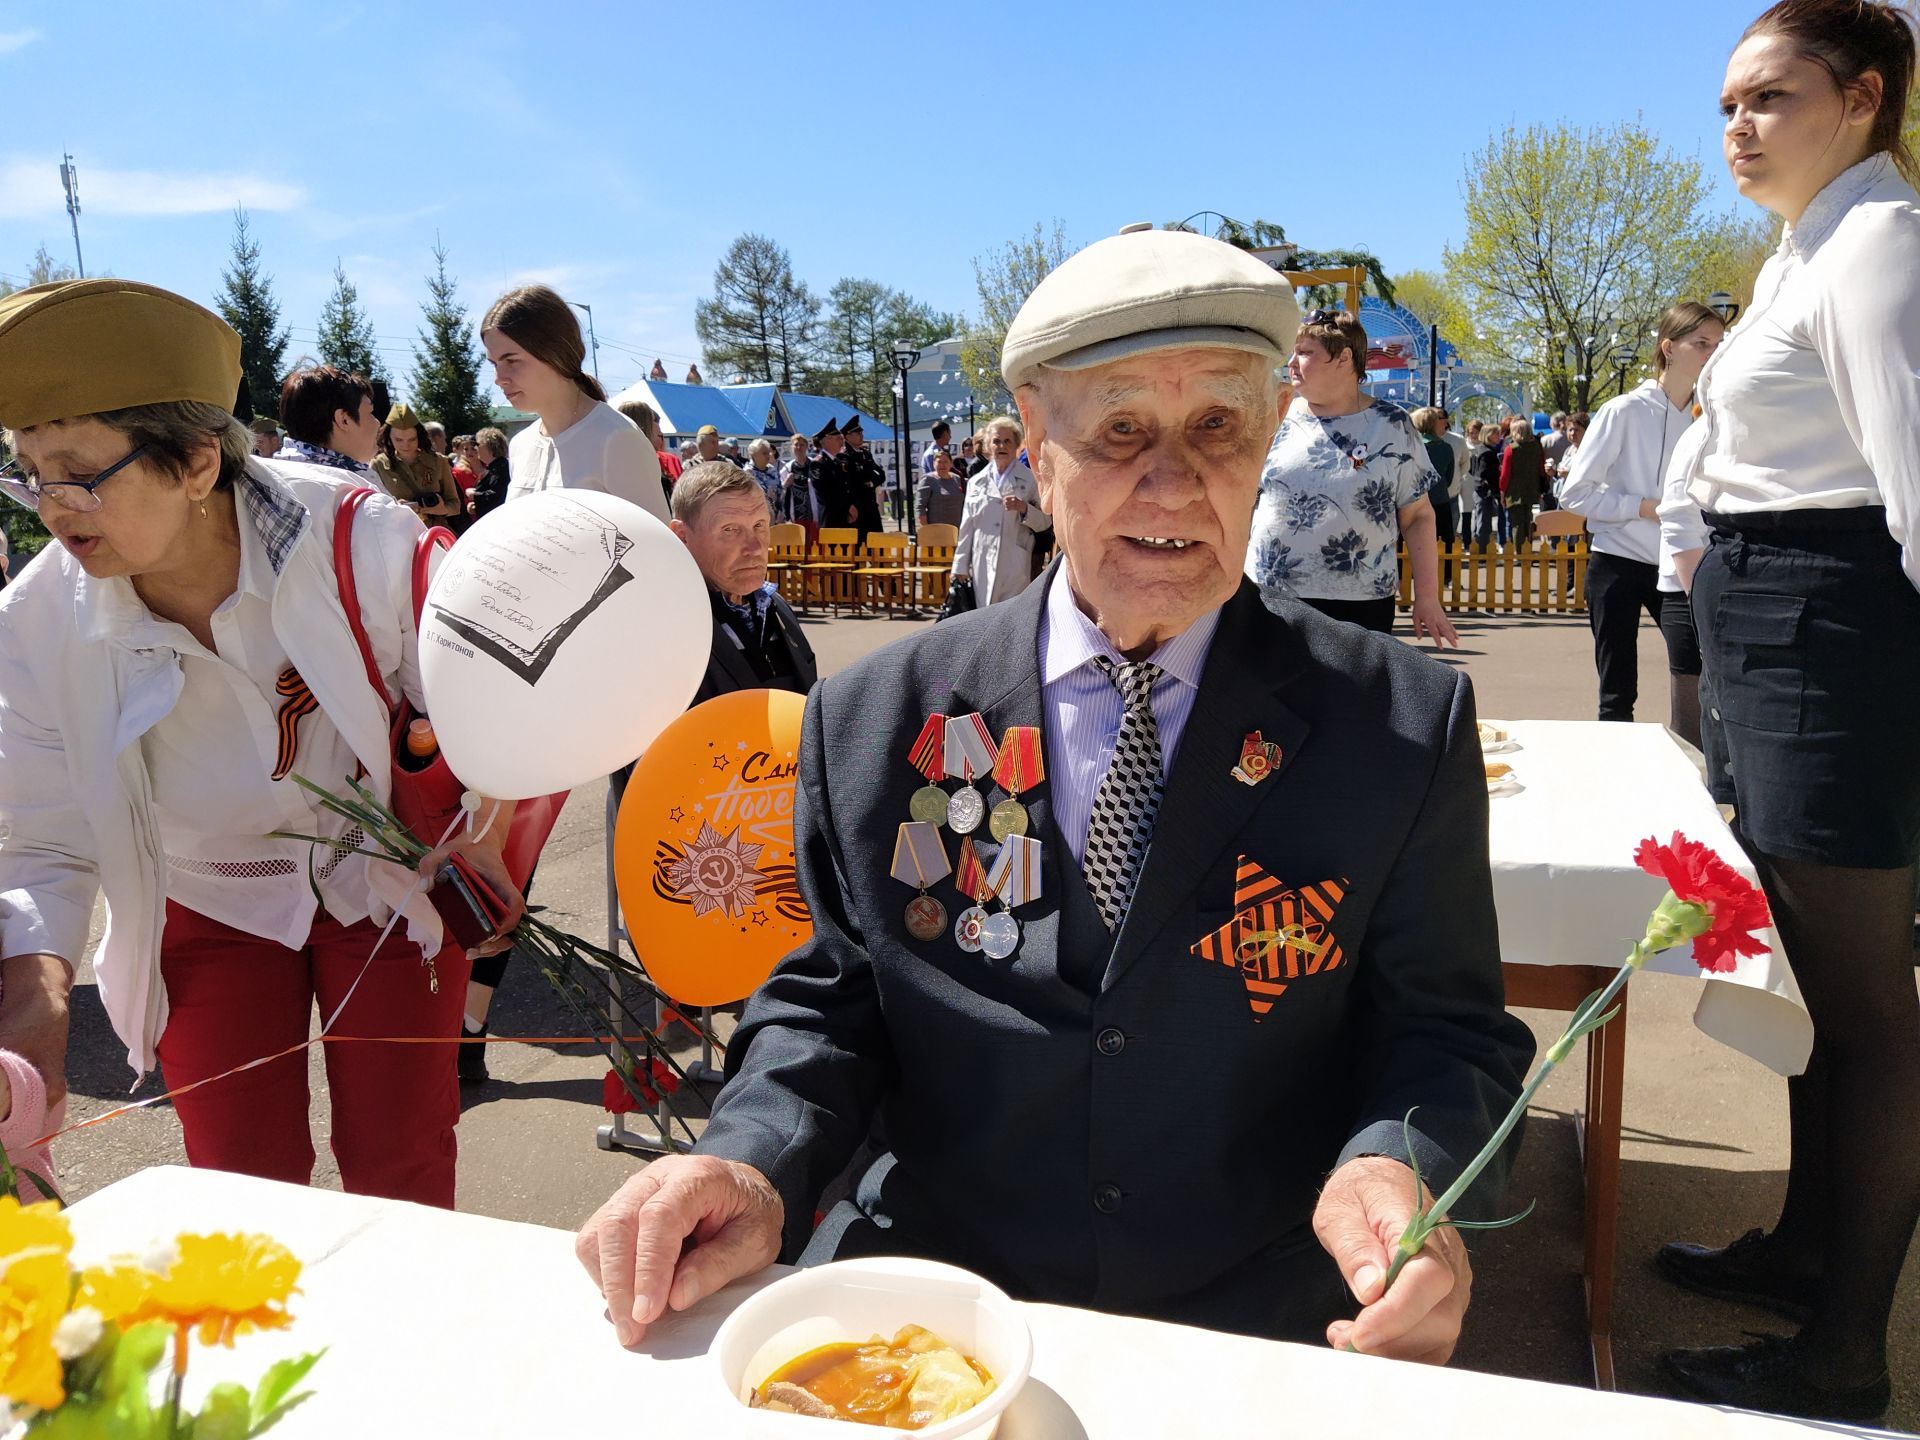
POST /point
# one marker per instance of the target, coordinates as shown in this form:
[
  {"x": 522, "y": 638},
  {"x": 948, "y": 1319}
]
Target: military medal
[
  {"x": 972, "y": 880},
  {"x": 970, "y": 755},
  {"x": 1015, "y": 880},
  {"x": 1018, "y": 768},
  {"x": 929, "y": 757},
  {"x": 920, "y": 859},
  {"x": 1258, "y": 759}
]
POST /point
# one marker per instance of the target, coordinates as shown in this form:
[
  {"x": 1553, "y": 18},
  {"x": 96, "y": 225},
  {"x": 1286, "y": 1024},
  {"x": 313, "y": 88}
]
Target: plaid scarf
[{"x": 292, "y": 449}]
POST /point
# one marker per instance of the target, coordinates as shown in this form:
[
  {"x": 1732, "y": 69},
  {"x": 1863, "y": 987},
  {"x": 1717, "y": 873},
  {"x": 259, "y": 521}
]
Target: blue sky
[{"x": 614, "y": 150}]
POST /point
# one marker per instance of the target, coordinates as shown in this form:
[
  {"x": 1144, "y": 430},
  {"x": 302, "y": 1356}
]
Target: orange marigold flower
[
  {"x": 221, "y": 1285},
  {"x": 34, "y": 1286}
]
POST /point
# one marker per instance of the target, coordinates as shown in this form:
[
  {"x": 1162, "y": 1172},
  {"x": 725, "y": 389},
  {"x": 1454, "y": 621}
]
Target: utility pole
[
  {"x": 592, "y": 339},
  {"x": 70, "y": 180}
]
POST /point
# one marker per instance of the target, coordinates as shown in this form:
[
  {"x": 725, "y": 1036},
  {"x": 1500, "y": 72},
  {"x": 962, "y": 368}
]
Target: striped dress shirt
[{"x": 1083, "y": 707}]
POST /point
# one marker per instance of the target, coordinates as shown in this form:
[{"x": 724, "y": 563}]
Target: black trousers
[{"x": 1617, "y": 591}]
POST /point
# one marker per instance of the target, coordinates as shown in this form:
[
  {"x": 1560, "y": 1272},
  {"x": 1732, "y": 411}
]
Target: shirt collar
[
  {"x": 1069, "y": 640},
  {"x": 1826, "y": 210}
]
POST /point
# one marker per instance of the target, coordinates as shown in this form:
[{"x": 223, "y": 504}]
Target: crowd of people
[{"x": 1227, "y": 504}]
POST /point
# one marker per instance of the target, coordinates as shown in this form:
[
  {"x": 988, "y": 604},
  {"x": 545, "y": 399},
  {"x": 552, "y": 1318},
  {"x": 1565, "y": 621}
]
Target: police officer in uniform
[
  {"x": 865, "y": 478},
  {"x": 835, "y": 504}
]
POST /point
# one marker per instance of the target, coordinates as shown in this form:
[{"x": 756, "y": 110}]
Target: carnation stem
[{"x": 1414, "y": 1238}]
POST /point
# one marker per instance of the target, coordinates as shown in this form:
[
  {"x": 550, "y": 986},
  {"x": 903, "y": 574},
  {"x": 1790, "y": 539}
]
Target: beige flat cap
[{"x": 1147, "y": 289}]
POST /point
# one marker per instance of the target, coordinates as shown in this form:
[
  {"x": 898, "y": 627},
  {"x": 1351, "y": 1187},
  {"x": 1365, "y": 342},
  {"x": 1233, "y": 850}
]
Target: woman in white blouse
[
  {"x": 1613, "y": 479},
  {"x": 170, "y": 664},
  {"x": 1001, "y": 516},
  {"x": 1807, "y": 601},
  {"x": 581, "y": 442}
]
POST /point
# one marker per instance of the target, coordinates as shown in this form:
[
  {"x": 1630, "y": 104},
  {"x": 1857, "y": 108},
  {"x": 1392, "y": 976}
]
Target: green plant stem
[{"x": 1414, "y": 1238}]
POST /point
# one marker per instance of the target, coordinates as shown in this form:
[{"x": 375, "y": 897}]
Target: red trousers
[{"x": 233, "y": 997}]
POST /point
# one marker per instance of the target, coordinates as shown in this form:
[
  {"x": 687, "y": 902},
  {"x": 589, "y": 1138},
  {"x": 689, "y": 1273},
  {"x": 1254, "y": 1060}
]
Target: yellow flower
[
  {"x": 224, "y": 1285},
  {"x": 34, "y": 1285}
]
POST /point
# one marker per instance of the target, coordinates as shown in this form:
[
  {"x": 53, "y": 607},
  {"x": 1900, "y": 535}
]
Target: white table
[
  {"x": 1572, "y": 902},
  {"x": 445, "y": 1324}
]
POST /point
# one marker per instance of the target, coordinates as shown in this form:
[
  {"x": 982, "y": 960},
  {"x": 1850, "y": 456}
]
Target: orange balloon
[{"x": 703, "y": 848}]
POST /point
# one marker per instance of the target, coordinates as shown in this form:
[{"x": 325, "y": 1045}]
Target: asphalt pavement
[{"x": 1704, "y": 1154}]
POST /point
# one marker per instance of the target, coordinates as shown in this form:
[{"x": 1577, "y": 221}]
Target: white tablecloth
[
  {"x": 444, "y": 1324},
  {"x": 1569, "y": 893}
]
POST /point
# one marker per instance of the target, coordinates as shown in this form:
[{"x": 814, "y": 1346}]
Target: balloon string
[{"x": 191, "y": 1086}]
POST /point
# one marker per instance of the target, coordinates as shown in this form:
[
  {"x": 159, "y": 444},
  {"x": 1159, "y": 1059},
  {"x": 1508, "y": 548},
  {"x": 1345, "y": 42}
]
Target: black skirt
[{"x": 1810, "y": 685}]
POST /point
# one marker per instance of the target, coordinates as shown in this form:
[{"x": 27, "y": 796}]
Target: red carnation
[
  {"x": 1698, "y": 876},
  {"x": 614, "y": 1095},
  {"x": 663, "y": 1076}
]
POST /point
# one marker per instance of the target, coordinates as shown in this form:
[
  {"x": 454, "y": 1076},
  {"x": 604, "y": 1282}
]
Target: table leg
[{"x": 1600, "y": 1137}]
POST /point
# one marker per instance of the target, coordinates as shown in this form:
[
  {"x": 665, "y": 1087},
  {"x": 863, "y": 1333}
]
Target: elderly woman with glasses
[
  {"x": 171, "y": 663},
  {"x": 1346, "y": 479}
]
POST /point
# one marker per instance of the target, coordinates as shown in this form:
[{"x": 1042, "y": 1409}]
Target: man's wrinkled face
[
  {"x": 729, "y": 541},
  {"x": 1150, "y": 467}
]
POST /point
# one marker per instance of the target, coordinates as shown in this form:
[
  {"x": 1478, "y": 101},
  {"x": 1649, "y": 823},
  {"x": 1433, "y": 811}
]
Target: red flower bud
[
  {"x": 614, "y": 1095},
  {"x": 663, "y": 1076}
]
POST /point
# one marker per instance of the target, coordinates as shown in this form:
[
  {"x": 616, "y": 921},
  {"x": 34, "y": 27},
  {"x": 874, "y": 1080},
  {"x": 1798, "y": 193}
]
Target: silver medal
[
  {"x": 965, "y": 810},
  {"x": 966, "y": 930},
  {"x": 1000, "y": 936}
]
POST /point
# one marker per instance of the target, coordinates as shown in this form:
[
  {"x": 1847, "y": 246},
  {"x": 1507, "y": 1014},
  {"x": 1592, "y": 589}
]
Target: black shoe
[
  {"x": 1761, "y": 1375},
  {"x": 1738, "y": 1272},
  {"x": 473, "y": 1058}
]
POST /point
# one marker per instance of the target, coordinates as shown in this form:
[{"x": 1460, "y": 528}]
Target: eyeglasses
[
  {"x": 1322, "y": 317},
  {"x": 79, "y": 495}
]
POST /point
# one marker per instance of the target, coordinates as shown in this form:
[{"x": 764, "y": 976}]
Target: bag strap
[
  {"x": 437, "y": 538},
  {"x": 348, "y": 507}
]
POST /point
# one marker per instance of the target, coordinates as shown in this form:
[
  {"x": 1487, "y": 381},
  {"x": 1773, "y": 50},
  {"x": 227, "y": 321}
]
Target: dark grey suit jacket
[
  {"x": 1149, "y": 1148},
  {"x": 728, "y": 669}
]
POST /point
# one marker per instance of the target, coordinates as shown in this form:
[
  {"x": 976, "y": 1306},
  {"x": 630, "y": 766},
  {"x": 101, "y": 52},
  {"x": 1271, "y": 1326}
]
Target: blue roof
[
  {"x": 687, "y": 407},
  {"x": 756, "y": 403},
  {"x": 810, "y": 413}
]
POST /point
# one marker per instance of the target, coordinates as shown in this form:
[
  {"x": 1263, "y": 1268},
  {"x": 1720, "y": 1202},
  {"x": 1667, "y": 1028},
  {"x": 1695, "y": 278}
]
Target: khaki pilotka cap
[
  {"x": 79, "y": 347},
  {"x": 1144, "y": 290}
]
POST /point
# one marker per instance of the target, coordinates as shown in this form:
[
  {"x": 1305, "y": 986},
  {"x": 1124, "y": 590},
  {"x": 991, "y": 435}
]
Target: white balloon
[{"x": 561, "y": 635}]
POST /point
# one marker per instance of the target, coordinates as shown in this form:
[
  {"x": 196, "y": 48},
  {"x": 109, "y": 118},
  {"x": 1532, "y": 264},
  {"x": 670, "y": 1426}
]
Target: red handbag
[{"x": 427, "y": 800}]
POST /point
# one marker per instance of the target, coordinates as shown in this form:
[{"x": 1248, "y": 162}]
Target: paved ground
[{"x": 1705, "y": 1151}]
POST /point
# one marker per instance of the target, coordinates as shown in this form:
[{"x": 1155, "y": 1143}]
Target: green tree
[
  {"x": 864, "y": 319},
  {"x": 346, "y": 334},
  {"x": 1433, "y": 301},
  {"x": 760, "y": 321},
  {"x": 1576, "y": 242},
  {"x": 446, "y": 365},
  {"x": 44, "y": 270},
  {"x": 246, "y": 302},
  {"x": 1004, "y": 278}
]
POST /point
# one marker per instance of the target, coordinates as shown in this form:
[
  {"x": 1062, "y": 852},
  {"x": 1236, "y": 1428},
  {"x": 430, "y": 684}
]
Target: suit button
[
  {"x": 1714, "y": 713},
  {"x": 1106, "y": 1199},
  {"x": 1111, "y": 1041}
]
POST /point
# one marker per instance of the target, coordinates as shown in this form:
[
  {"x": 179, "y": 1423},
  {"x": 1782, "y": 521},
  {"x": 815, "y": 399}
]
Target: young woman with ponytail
[{"x": 581, "y": 442}]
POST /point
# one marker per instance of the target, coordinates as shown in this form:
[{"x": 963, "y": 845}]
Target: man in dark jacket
[
  {"x": 720, "y": 513},
  {"x": 490, "y": 490},
  {"x": 831, "y": 484},
  {"x": 1523, "y": 471},
  {"x": 865, "y": 478}
]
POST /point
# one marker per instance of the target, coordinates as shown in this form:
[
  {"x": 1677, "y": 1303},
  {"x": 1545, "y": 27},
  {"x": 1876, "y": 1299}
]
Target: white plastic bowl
[{"x": 857, "y": 1299}]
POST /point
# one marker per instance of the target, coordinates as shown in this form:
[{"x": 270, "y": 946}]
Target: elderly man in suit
[
  {"x": 720, "y": 513},
  {"x": 1238, "y": 924}
]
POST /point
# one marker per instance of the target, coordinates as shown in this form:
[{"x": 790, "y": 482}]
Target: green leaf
[
  {"x": 1491, "y": 1224},
  {"x": 271, "y": 1396},
  {"x": 224, "y": 1416}
]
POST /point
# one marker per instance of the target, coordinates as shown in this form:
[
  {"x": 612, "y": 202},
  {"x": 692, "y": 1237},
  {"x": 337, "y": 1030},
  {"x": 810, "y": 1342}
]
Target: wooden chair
[
  {"x": 786, "y": 554},
  {"x": 882, "y": 575},
  {"x": 933, "y": 565},
  {"x": 830, "y": 570}
]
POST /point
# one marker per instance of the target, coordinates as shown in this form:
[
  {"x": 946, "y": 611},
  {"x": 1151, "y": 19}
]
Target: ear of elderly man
[{"x": 1252, "y": 921}]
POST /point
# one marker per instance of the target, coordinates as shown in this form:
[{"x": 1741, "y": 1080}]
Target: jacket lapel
[{"x": 1254, "y": 656}]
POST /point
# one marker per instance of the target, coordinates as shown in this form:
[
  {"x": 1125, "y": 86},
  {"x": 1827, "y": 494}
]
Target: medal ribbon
[
  {"x": 1019, "y": 767},
  {"x": 1015, "y": 876},
  {"x": 970, "y": 752},
  {"x": 919, "y": 856},
  {"x": 928, "y": 754},
  {"x": 972, "y": 878}
]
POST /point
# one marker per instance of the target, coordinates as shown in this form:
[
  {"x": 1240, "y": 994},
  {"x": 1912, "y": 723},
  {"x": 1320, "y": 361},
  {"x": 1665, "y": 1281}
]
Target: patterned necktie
[{"x": 1129, "y": 796}]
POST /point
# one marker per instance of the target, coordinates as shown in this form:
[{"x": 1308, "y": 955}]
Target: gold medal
[
  {"x": 929, "y": 805},
  {"x": 1009, "y": 818}
]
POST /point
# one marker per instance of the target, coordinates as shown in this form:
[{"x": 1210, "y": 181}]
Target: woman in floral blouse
[{"x": 1345, "y": 480}]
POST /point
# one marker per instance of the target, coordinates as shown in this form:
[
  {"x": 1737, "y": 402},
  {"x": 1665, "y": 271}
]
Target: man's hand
[
  {"x": 1430, "y": 618},
  {"x": 33, "y": 1017},
  {"x": 1367, "y": 1202},
  {"x": 632, "y": 1246}
]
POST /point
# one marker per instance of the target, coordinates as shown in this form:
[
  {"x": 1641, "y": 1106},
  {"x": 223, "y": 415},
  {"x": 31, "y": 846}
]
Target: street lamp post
[
  {"x": 905, "y": 357},
  {"x": 70, "y": 181},
  {"x": 592, "y": 340},
  {"x": 1624, "y": 354}
]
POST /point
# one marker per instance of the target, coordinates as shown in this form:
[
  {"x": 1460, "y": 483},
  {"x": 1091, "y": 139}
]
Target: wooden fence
[{"x": 1544, "y": 575}]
